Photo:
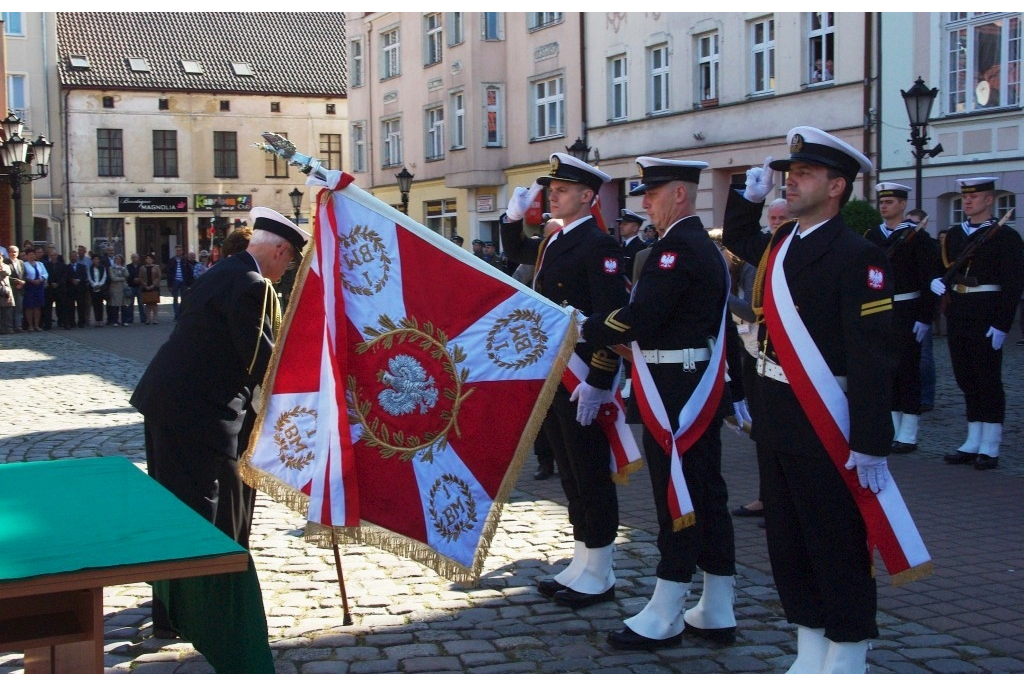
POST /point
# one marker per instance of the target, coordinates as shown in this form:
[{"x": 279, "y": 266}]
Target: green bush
[{"x": 861, "y": 216}]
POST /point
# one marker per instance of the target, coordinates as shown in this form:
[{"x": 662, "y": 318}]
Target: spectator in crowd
[
  {"x": 204, "y": 263},
  {"x": 78, "y": 288},
  {"x": 17, "y": 279},
  {"x": 179, "y": 278},
  {"x": 55, "y": 268},
  {"x": 236, "y": 241},
  {"x": 35, "y": 290},
  {"x": 149, "y": 287},
  {"x": 6, "y": 299},
  {"x": 98, "y": 287},
  {"x": 131, "y": 293},
  {"x": 117, "y": 282},
  {"x": 650, "y": 235}
]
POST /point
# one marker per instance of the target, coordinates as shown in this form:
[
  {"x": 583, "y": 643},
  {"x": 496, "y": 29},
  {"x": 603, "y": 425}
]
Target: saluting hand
[{"x": 760, "y": 181}]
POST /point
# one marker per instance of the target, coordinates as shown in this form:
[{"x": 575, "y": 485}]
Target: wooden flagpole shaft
[{"x": 346, "y": 619}]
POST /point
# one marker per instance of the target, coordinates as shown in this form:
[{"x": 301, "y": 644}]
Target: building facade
[{"x": 160, "y": 114}]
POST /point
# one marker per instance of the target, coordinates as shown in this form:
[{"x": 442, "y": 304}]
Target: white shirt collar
[{"x": 806, "y": 232}]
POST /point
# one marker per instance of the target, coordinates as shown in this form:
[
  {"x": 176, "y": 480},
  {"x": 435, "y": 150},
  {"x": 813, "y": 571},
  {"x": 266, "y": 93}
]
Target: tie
[{"x": 543, "y": 250}]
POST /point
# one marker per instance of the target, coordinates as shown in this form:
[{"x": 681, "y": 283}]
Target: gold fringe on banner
[
  {"x": 911, "y": 574},
  {"x": 684, "y": 521},
  {"x": 622, "y": 477}
]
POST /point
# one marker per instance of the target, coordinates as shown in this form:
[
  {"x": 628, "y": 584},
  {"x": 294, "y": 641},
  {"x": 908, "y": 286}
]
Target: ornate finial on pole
[{"x": 285, "y": 149}]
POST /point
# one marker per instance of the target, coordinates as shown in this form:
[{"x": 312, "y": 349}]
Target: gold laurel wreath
[
  {"x": 291, "y": 462},
  {"x": 539, "y": 335},
  {"x": 462, "y": 526},
  {"x": 376, "y": 434},
  {"x": 347, "y": 241}
]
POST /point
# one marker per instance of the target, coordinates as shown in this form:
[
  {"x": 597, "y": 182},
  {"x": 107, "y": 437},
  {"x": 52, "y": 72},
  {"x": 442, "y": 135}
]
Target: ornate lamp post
[
  {"x": 919, "y": 101},
  {"x": 16, "y": 155},
  {"x": 404, "y": 184},
  {"x": 296, "y": 197},
  {"x": 579, "y": 150}
]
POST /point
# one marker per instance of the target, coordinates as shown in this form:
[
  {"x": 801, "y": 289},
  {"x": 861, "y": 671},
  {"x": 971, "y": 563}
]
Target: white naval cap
[
  {"x": 893, "y": 190},
  {"x": 266, "y": 219},
  {"x": 565, "y": 167},
  {"x": 809, "y": 144},
  {"x": 977, "y": 184}
]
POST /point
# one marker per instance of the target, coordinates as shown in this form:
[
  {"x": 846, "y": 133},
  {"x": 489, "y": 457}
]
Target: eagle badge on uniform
[
  {"x": 667, "y": 261},
  {"x": 876, "y": 278},
  {"x": 611, "y": 265}
]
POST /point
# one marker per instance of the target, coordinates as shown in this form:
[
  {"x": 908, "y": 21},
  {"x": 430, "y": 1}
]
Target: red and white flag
[{"x": 407, "y": 388}]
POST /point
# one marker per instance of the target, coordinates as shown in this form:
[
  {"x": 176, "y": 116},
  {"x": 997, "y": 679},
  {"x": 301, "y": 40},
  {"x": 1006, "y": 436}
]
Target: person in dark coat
[
  {"x": 676, "y": 307},
  {"x": 830, "y": 313},
  {"x": 986, "y": 262},
  {"x": 196, "y": 395},
  {"x": 578, "y": 266},
  {"x": 629, "y": 226}
]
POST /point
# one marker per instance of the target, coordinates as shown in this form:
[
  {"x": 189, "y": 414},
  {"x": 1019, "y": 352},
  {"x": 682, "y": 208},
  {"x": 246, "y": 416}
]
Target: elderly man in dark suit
[
  {"x": 580, "y": 266},
  {"x": 196, "y": 396}
]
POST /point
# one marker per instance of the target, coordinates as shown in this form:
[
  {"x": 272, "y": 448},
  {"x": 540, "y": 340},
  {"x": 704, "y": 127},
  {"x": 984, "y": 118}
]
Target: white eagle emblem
[
  {"x": 412, "y": 387},
  {"x": 667, "y": 261},
  {"x": 876, "y": 278},
  {"x": 611, "y": 265}
]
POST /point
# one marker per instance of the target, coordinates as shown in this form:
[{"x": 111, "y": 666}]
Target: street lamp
[
  {"x": 919, "y": 101},
  {"x": 579, "y": 150},
  {"x": 404, "y": 184},
  {"x": 296, "y": 197},
  {"x": 16, "y": 155}
]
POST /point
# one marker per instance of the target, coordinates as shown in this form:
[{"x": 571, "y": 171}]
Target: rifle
[
  {"x": 904, "y": 237},
  {"x": 973, "y": 246}
]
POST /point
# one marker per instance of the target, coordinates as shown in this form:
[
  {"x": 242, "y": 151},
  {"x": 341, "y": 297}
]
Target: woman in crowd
[
  {"x": 98, "y": 287},
  {"x": 117, "y": 281},
  {"x": 149, "y": 285},
  {"x": 35, "y": 288}
]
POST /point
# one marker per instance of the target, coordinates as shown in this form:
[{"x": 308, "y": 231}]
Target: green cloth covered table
[{"x": 77, "y": 525}]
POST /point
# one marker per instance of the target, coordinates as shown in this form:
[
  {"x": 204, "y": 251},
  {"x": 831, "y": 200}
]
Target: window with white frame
[
  {"x": 458, "y": 128},
  {"x": 391, "y": 142},
  {"x": 494, "y": 118},
  {"x": 434, "y": 38},
  {"x": 355, "y": 63},
  {"x": 456, "y": 28},
  {"x": 762, "y": 48},
  {"x": 618, "y": 88},
  {"x": 657, "y": 83},
  {"x": 13, "y": 25},
  {"x": 821, "y": 29},
  {"x": 707, "y": 67},
  {"x": 538, "y": 20},
  {"x": 435, "y": 133},
  {"x": 359, "y": 147},
  {"x": 492, "y": 28},
  {"x": 390, "y": 64},
  {"x": 548, "y": 108},
  {"x": 983, "y": 61},
  {"x": 17, "y": 96},
  {"x": 442, "y": 216}
]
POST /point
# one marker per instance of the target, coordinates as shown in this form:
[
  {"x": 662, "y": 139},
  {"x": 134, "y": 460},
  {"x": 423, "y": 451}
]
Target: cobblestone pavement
[{"x": 70, "y": 399}]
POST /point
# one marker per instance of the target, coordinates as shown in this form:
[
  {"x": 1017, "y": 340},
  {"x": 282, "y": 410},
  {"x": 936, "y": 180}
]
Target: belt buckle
[
  {"x": 960, "y": 288},
  {"x": 759, "y": 367}
]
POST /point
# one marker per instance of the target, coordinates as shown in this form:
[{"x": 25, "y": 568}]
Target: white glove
[
  {"x": 588, "y": 400},
  {"x": 873, "y": 472},
  {"x": 520, "y": 201},
  {"x": 742, "y": 411},
  {"x": 938, "y": 287},
  {"x": 760, "y": 182},
  {"x": 997, "y": 337},
  {"x": 333, "y": 179},
  {"x": 921, "y": 330}
]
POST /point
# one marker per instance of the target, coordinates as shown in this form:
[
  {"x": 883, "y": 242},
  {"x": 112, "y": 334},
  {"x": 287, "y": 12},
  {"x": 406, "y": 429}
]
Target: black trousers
[
  {"x": 817, "y": 544},
  {"x": 906, "y": 382},
  {"x": 977, "y": 369},
  {"x": 758, "y": 412},
  {"x": 583, "y": 458}
]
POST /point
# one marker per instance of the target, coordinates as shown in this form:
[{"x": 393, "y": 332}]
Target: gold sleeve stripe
[
  {"x": 876, "y": 303},
  {"x": 611, "y": 322},
  {"x": 876, "y": 310},
  {"x": 603, "y": 361}
]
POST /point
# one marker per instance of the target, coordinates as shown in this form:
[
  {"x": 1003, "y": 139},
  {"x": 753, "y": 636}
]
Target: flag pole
[{"x": 346, "y": 619}]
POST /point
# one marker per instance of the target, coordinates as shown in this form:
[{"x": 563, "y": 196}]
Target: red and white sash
[
  {"x": 625, "y": 453},
  {"x": 694, "y": 418},
  {"x": 889, "y": 524}
]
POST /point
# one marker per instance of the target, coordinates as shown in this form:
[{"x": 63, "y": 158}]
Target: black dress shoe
[
  {"x": 743, "y": 511},
  {"x": 549, "y": 587},
  {"x": 960, "y": 458},
  {"x": 577, "y": 600},
  {"x": 985, "y": 462},
  {"x": 629, "y": 639},
  {"x": 721, "y": 636},
  {"x": 166, "y": 633},
  {"x": 902, "y": 447},
  {"x": 543, "y": 472}
]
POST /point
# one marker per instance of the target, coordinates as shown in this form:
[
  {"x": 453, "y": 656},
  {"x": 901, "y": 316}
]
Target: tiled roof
[{"x": 290, "y": 53}]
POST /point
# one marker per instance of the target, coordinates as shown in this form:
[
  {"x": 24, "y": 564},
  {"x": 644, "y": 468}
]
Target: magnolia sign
[{"x": 137, "y": 205}]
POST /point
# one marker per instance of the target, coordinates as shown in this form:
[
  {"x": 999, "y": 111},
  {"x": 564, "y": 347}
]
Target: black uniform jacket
[
  {"x": 914, "y": 257},
  {"x": 203, "y": 377},
  {"x": 999, "y": 260},
  {"x": 834, "y": 280},
  {"x": 581, "y": 269},
  {"x": 629, "y": 251}
]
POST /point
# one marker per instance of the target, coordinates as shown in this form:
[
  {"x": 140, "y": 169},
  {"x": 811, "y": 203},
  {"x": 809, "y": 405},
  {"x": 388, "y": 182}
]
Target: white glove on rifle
[
  {"x": 873, "y": 472},
  {"x": 921, "y": 330},
  {"x": 997, "y": 337},
  {"x": 938, "y": 287},
  {"x": 760, "y": 181},
  {"x": 588, "y": 401},
  {"x": 520, "y": 201}
]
